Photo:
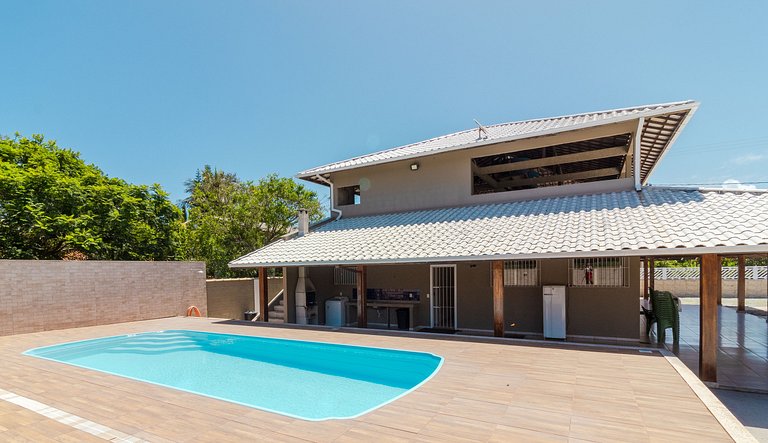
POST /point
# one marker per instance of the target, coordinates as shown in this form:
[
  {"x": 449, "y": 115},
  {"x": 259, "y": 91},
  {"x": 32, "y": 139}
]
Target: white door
[{"x": 442, "y": 302}]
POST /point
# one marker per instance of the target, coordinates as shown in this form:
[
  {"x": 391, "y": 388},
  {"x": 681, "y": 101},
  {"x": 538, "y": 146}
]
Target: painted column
[
  {"x": 708, "y": 293},
  {"x": 497, "y": 276},
  {"x": 362, "y": 297},
  {"x": 645, "y": 278},
  {"x": 741, "y": 285},
  {"x": 263, "y": 295},
  {"x": 301, "y": 297}
]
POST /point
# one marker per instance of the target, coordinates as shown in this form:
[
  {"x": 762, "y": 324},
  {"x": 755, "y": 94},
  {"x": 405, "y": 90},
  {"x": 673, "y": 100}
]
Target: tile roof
[
  {"x": 617, "y": 223},
  {"x": 520, "y": 130}
]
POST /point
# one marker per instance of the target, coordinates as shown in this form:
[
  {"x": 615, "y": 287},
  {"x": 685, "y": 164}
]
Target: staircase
[{"x": 277, "y": 310}]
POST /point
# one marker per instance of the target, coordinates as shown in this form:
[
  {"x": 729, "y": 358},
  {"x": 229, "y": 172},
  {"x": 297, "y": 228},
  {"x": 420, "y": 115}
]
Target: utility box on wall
[{"x": 554, "y": 312}]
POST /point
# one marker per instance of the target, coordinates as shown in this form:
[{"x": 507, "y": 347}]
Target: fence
[
  {"x": 684, "y": 282},
  {"x": 728, "y": 272}
]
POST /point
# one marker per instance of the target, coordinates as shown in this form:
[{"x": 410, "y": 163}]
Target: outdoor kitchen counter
[{"x": 388, "y": 305}]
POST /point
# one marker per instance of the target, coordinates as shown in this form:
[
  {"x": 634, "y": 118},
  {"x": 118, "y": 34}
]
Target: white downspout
[{"x": 330, "y": 183}]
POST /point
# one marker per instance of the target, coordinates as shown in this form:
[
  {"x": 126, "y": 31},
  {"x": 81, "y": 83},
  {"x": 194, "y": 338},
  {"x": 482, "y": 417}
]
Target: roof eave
[{"x": 656, "y": 252}]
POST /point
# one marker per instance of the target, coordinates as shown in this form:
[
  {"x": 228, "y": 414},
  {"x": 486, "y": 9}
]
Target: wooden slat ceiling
[
  {"x": 657, "y": 132},
  {"x": 577, "y": 162}
]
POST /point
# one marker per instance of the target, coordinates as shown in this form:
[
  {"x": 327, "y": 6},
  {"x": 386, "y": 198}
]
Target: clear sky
[{"x": 152, "y": 90}]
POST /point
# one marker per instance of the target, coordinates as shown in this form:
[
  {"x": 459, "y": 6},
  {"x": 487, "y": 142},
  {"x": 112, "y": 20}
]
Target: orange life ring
[{"x": 193, "y": 310}]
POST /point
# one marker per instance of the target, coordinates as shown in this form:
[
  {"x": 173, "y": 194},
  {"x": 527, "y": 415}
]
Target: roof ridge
[{"x": 606, "y": 111}]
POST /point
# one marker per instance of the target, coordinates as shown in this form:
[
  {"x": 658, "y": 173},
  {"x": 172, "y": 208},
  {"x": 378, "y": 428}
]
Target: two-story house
[{"x": 464, "y": 231}]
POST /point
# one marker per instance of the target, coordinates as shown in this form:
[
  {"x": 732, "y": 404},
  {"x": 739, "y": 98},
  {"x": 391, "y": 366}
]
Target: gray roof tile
[
  {"x": 503, "y": 132},
  {"x": 654, "y": 218}
]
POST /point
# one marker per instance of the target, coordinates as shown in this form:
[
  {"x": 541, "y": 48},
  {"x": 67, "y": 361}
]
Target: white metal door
[{"x": 442, "y": 302}]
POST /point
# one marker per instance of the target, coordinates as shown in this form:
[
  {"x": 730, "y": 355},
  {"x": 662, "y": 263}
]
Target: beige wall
[
  {"x": 446, "y": 179},
  {"x": 690, "y": 288},
  {"x": 231, "y": 297},
  {"x": 593, "y": 312},
  {"x": 41, "y": 295},
  {"x": 606, "y": 312},
  {"x": 596, "y": 312}
]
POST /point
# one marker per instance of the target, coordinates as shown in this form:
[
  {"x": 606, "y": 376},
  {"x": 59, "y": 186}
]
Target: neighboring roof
[
  {"x": 666, "y": 221},
  {"x": 663, "y": 123}
]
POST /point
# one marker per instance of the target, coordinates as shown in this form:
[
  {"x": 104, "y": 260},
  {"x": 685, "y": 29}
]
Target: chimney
[{"x": 303, "y": 222}]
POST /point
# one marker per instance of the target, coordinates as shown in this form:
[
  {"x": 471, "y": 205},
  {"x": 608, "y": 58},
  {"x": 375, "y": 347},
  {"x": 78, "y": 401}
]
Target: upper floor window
[
  {"x": 568, "y": 163},
  {"x": 348, "y": 195}
]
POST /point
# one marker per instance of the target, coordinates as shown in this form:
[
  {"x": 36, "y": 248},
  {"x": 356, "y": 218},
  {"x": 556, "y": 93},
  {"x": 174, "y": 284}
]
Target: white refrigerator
[{"x": 554, "y": 312}]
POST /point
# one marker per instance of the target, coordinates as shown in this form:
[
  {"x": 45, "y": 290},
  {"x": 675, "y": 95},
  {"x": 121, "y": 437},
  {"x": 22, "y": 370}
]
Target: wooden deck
[{"x": 484, "y": 392}]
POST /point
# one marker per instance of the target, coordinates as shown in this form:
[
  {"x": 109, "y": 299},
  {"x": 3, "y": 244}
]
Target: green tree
[
  {"x": 53, "y": 205},
  {"x": 228, "y": 217}
]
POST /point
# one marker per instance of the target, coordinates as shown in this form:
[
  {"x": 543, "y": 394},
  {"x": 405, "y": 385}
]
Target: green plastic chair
[{"x": 665, "y": 315}]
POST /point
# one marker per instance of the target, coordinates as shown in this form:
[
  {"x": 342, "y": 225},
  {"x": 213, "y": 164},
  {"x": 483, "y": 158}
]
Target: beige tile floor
[
  {"x": 484, "y": 392},
  {"x": 742, "y": 349}
]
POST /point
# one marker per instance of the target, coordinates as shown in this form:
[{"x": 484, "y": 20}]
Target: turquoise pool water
[{"x": 307, "y": 380}]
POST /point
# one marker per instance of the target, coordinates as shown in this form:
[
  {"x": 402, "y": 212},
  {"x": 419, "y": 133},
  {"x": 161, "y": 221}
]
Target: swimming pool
[{"x": 301, "y": 379}]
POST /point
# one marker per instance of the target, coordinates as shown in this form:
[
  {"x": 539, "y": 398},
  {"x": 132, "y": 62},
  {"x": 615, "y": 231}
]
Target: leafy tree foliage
[
  {"x": 53, "y": 205},
  {"x": 228, "y": 218}
]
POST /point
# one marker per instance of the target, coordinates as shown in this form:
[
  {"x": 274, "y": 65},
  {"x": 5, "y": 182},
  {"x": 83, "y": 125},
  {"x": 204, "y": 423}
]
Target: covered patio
[
  {"x": 725, "y": 347},
  {"x": 742, "y": 347},
  {"x": 558, "y": 238}
]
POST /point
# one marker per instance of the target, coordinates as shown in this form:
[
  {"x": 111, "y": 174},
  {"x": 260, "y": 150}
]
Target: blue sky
[{"x": 150, "y": 91}]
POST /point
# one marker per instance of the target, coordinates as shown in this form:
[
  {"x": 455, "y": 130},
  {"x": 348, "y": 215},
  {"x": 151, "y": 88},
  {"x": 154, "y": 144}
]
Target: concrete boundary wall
[{"x": 41, "y": 295}]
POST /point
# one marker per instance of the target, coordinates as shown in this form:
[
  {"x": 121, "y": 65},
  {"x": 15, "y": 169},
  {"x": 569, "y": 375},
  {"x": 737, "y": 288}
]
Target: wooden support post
[
  {"x": 741, "y": 285},
  {"x": 263, "y": 295},
  {"x": 652, "y": 273},
  {"x": 362, "y": 299},
  {"x": 710, "y": 278},
  {"x": 645, "y": 278},
  {"x": 497, "y": 277},
  {"x": 720, "y": 283}
]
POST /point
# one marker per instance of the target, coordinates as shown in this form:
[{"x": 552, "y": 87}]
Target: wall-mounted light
[{"x": 415, "y": 166}]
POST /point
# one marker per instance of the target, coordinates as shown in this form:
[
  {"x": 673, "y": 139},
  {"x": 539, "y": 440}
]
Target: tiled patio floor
[
  {"x": 484, "y": 392},
  {"x": 742, "y": 358}
]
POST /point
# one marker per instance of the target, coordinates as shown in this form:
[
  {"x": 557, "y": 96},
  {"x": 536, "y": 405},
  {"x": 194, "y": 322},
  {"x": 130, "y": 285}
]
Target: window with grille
[
  {"x": 599, "y": 272},
  {"x": 521, "y": 273},
  {"x": 344, "y": 277}
]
